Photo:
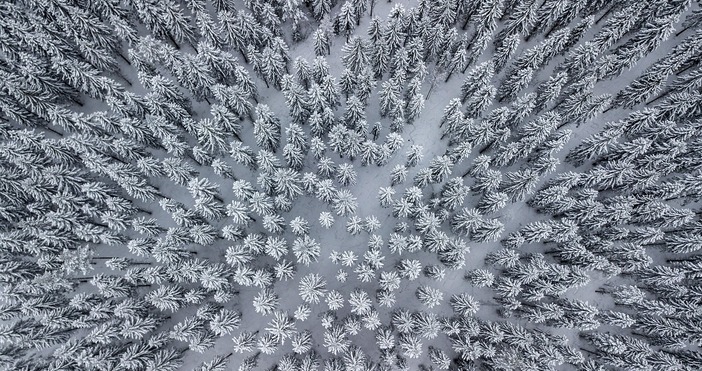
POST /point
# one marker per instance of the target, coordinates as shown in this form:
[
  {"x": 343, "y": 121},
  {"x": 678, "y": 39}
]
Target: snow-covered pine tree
[
  {"x": 266, "y": 128},
  {"x": 345, "y": 20},
  {"x": 322, "y": 43},
  {"x": 519, "y": 20},
  {"x": 516, "y": 81}
]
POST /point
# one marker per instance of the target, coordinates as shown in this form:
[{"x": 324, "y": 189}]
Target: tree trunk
[
  {"x": 246, "y": 59},
  {"x": 693, "y": 64},
  {"x": 487, "y": 147},
  {"x": 448, "y": 75},
  {"x": 661, "y": 95},
  {"x": 76, "y": 101},
  {"x": 692, "y": 229},
  {"x": 590, "y": 352},
  {"x": 193, "y": 158},
  {"x": 172, "y": 40},
  {"x": 550, "y": 31},
  {"x": 431, "y": 87},
  {"x": 465, "y": 23},
  {"x": 119, "y": 52},
  {"x": 611, "y": 8},
  {"x": 683, "y": 30},
  {"x": 47, "y": 127},
  {"x": 469, "y": 63},
  {"x": 531, "y": 33},
  {"x": 143, "y": 211},
  {"x": 116, "y": 158},
  {"x": 119, "y": 73},
  {"x": 683, "y": 260}
]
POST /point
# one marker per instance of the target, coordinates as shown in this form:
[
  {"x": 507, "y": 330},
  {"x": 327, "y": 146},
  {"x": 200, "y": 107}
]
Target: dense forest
[{"x": 350, "y": 185}]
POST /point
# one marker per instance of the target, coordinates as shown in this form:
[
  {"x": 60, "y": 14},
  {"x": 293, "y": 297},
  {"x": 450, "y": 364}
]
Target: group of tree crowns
[{"x": 221, "y": 185}]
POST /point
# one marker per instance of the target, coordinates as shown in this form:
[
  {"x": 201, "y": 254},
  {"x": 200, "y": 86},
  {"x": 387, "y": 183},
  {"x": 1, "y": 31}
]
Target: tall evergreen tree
[
  {"x": 355, "y": 54},
  {"x": 266, "y": 128}
]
